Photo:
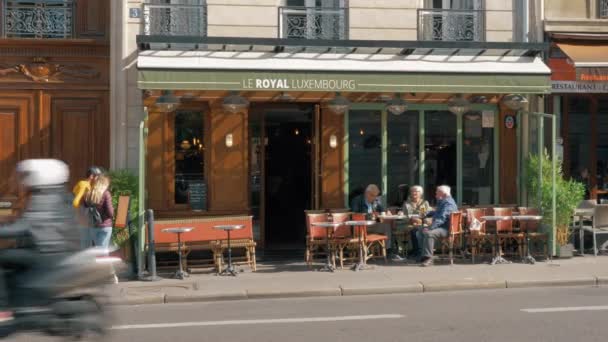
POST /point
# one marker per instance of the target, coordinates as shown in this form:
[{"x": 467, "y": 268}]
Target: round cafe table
[
  {"x": 498, "y": 259},
  {"x": 529, "y": 259},
  {"x": 328, "y": 226},
  {"x": 392, "y": 219},
  {"x": 361, "y": 225},
  {"x": 229, "y": 270},
  {"x": 180, "y": 274}
]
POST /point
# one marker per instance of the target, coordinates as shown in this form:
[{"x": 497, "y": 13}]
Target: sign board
[
  {"x": 5, "y": 205},
  {"x": 578, "y": 87},
  {"x": 122, "y": 212},
  {"x": 487, "y": 119},
  {"x": 198, "y": 195},
  {"x": 509, "y": 121},
  {"x": 134, "y": 13}
]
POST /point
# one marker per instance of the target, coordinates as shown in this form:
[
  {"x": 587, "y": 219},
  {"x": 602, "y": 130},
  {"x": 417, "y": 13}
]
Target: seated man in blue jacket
[{"x": 438, "y": 226}]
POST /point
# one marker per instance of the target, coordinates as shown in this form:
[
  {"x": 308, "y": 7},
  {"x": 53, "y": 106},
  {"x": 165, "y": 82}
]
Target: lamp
[
  {"x": 229, "y": 140},
  {"x": 234, "y": 103},
  {"x": 339, "y": 104},
  {"x": 459, "y": 105},
  {"x": 396, "y": 105},
  {"x": 167, "y": 102},
  {"x": 333, "y": 141},
  {"x": 515, "y": 102}
]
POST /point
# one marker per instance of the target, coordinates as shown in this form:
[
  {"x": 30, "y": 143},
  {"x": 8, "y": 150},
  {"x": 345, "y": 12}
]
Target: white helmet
[{"x": 43, "y": 172}]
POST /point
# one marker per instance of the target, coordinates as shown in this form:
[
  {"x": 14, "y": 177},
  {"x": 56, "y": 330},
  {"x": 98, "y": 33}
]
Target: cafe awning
[
  {"x": 486, "y": 69},
  {"x": 586, "y": 55}
]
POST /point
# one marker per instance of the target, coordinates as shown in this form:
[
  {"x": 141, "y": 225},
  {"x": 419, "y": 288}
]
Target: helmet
[
  {"x": 94, "y": 170},
  {"x": 43, "y": 172}
]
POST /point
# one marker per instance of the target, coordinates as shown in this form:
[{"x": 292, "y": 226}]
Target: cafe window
[
  {"x": 579, "y": 135},
  {"x": 190, "y": 185},
  {"x": 364, "y": 150},
  {"x": 402, "y": 156},
  {"x": 478, "y": 158},
  {"x": 440, "y": 151}
]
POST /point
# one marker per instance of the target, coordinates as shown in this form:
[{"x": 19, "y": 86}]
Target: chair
[
  {"x": 504, "y": 231},
  {"x": 600, "y": 224},
  {"x": 476, "y": 238},
  {"x": 316, "y": 238},
  {"x": 532, "y": 229},
  {"x": 586, "y": 223},
  {"x": 343, "y": 239},
  {"x": 374, "y": 243},
  {"x": 454, "y": 234}
]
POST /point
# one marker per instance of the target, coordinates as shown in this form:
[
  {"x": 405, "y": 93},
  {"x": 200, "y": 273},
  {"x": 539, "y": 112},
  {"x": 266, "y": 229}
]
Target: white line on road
[
  {"x": 567, "y": 309},
  {"x": 256, "y": 321}
]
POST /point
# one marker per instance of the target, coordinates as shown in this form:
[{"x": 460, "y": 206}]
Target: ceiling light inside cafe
[
  {"x": 167, "y": 102},
  {"x": 459, "y": 105},
  {"x": 234, "y": 103},
  {"x": 339, "y": 104},
  {"x": 515, "y": 102},
  {"x": 396, "y": 105}
]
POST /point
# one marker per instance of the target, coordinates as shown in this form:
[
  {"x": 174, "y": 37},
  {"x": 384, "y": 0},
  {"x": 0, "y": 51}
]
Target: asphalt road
[{"x": 547, "y": 314}]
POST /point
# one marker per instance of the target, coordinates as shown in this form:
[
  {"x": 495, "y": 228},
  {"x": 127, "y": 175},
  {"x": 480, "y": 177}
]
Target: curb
[{"x": 343, "y": 291}]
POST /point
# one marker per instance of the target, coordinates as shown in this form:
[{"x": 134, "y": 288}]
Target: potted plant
[
  {"x": 568, "y": 195},
  {"x": 124, "y": 183}
]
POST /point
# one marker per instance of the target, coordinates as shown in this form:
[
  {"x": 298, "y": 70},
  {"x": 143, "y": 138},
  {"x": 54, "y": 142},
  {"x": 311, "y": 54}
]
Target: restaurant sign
[
  {"x": 578, "y": 87},
  {"x": 294, "y": 83}
]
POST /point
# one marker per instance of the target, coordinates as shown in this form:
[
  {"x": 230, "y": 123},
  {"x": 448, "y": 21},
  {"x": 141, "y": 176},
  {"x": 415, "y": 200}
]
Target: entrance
[{"x": 282, "y": 139}]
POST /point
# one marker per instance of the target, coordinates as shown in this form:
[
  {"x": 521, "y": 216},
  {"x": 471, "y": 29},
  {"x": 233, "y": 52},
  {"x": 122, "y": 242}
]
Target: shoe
[
  {"x": 6, "y": 316},
  {"x": 428, "y": 262},
  {"x": 397, "y": 257}
]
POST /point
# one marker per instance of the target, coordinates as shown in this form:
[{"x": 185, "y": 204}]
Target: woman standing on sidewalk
[{"x": 98, "y": 202}]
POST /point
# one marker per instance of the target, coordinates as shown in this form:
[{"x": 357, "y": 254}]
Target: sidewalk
[{"x": 295, "y": 280}]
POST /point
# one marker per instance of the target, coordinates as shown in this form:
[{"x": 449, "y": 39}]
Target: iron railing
[
  {"x": 179, "y": 18},
  {"x": 313, "y": 23},
  {"x": 38, "y": 18},
  {"x": 451, "y": 25},
  {"x": 603, "y": 7}
]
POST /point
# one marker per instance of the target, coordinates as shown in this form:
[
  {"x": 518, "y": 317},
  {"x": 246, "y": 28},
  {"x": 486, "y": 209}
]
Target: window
[
  {"x": 313, "y": 19},
  {"x": 477, "y": 159},
  {"x": 440, "y": 151},
  {"x": 402, "y": 156},
  {"x": 603, "y": 9},
  {"x": 452, "y": 20},
  {"x": 364, "y": 151},
  {"x": 175, "y": 17},
  {"x": 38, "y": 18},
  {"x": 190, "y": 185}
]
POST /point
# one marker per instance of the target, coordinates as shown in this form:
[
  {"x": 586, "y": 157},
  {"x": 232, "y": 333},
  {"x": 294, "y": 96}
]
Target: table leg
[
  {"x": 498, "y": 259},
  {"x": 581, "y": 237},
  {"x": 181, "y": 274},
  {"x": 528, "y": 259},
  {"x": 362, "y": 264},
  {"x": 229, "y": 270},
  {"x": 328, "y": 266}
]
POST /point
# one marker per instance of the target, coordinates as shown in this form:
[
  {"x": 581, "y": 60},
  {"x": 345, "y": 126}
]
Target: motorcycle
[{"x": 73, "y": 305}]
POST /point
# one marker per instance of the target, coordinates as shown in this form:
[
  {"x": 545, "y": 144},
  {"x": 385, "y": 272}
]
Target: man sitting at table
[
  {"x": 437, "y": 224},
  {"x": 368, "y": 203}
]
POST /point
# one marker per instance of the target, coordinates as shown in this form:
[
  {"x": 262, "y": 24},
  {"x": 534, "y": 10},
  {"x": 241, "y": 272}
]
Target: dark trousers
[{"x": 17, "y": 267}]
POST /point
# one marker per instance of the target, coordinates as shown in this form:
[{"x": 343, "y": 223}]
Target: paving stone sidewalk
[{"x": 285, "y": 280}]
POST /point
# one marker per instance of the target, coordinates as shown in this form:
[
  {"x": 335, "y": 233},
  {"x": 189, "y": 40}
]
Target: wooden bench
[{"x": 205, "y": 238}]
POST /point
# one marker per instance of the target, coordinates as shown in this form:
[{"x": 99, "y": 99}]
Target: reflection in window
[
  {"x": 189, "y": 154},
  {"x": 440, "y": 149},
  {"x": 402, "y": 156},
  {"x": 602, "y": 144},
  {"x": 478, "y": 158},
  {"x": 364, "y": 151},
  {"x": 579, "y": 136}
]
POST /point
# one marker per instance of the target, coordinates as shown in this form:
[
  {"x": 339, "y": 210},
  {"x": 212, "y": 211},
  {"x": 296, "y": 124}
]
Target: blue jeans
[{"x": 101, "y": 236}]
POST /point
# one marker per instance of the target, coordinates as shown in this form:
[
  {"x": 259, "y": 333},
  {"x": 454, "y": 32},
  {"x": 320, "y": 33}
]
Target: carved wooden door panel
[{"x": 79, "y": 132}]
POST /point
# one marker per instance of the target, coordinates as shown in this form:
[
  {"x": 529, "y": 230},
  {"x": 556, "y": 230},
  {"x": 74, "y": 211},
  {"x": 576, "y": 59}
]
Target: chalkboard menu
[{"x": 198, "y": 195}]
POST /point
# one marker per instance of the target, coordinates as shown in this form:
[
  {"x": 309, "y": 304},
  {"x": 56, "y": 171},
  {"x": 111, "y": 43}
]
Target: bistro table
[
  {"x": 529, "y": 259},
  {"x": 327, "y": 225},
  {"x": 392, "y": 218},
  {"x": 498, "y": 259},
  {"x": 362, "y": 264},
  {"x": 229, "y": 270},
  {"x": 582, "y": 214},
  {"x": 180, "y": 274}
]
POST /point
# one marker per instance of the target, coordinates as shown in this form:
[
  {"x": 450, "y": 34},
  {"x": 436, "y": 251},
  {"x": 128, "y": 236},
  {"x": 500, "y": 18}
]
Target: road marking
[
  {"x": 257, "y": 321},
  {"x": 567, "y": 309}
]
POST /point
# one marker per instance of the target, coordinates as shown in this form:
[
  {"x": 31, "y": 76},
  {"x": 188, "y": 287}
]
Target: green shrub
[
  {"x": 124, "y": 182},
  {"x": 568, "y": 193}
]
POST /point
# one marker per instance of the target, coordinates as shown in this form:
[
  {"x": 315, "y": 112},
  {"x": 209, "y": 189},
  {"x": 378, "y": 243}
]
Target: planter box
[{"x": 565, "y": 251}]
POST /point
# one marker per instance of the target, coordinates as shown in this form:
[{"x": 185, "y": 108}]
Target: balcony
[
  {"x": 312, "y": 23},
  {"x": 451, "y": 25},
  {"x": 38, "y": 19},
  {"x": 180, "y": 18},
  {"x": 603, "y": 9}
]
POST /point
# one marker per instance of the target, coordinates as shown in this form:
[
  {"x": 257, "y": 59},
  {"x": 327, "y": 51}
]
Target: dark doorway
[{"x": 288, "y": 150}]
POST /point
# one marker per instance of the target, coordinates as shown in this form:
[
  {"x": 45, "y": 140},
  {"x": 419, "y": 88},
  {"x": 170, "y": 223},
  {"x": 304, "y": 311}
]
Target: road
[{"x": 547, "y": 314}]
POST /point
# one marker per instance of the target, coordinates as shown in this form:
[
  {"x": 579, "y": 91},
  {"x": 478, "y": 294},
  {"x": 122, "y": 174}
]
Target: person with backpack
[{"x": 98, "y": 204}]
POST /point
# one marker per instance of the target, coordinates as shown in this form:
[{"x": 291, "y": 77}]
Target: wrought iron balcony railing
[
  {"x": 603, "y": 7},
  {"x": 180, "y": 18},
  {"x": 38, "y": 18},
  {"x": 312, "y": 23},
  {"x": 451, "y": 25}
]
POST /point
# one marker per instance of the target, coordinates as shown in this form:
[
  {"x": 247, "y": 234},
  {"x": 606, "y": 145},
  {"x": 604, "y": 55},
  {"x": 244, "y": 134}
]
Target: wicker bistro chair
[
  {"x": 316, "y": 238},
  {"x": 218, "y": 248},
  {"x": 454, "y": 235},
  {"x": 347, "y": 245},
  {"x": 344, "y": 243},
  {"x": 476, "y": 239},
  {"x": 374, "y": 243},
  {"x": 600, "y": 224},
  {"x": 532, "y": 228},
  {"x": 504, "y": 234}
]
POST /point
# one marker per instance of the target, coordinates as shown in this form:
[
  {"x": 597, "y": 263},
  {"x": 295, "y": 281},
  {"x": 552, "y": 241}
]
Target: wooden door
[{"x": 79, "y": 132}]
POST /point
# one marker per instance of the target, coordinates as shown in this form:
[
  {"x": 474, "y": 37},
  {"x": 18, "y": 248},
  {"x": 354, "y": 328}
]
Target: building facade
[{"x": 54, "y": 87}]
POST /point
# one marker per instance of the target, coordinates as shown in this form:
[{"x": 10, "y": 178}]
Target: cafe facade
[{"x": 273, "y": 127}]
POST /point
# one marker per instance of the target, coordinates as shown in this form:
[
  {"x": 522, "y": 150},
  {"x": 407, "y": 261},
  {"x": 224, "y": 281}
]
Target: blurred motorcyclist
[{"x": 46, "y": 231}]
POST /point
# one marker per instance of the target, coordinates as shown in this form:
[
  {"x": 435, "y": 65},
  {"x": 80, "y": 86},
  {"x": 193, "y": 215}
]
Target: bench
[{"x": 205, "y": 238}]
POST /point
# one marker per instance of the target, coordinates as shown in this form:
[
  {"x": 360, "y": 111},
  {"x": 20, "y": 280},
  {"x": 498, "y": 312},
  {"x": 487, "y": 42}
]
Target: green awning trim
[{"x": 348, "y": 82}]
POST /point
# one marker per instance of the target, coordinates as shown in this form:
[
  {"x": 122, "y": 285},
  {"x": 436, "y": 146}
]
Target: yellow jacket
[{"x": 79, "y": 190}]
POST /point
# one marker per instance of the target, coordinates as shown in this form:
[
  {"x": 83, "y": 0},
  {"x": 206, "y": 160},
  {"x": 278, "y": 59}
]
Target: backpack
[{"x": 94, "y": 214}]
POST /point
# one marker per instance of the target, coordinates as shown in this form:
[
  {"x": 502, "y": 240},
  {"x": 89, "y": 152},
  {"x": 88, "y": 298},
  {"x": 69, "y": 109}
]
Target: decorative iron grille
[
  {"x": 451, "y": 25},
  {"x": 178, "y": 18},
  {"x": 603, "y": 9},
  {"x": 38, "y": 18},
  {"x": 312, "y": 23}
]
